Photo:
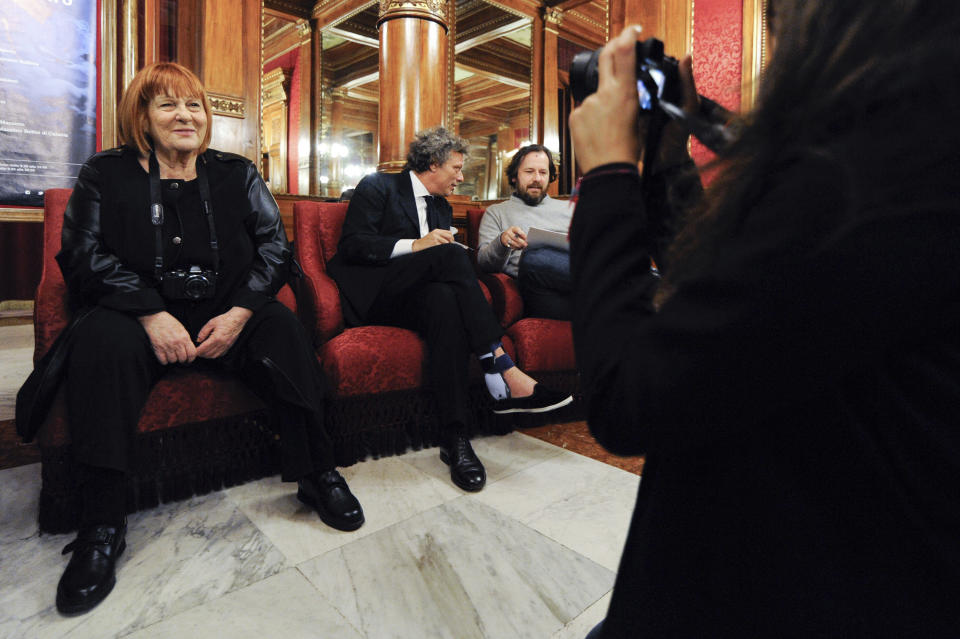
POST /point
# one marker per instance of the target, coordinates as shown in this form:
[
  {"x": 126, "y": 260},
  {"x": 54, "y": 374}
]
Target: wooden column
[
  {"x": 551, "y": 86},
  {"x": 669, "y": 20},
  {"x": 536, "y": 79},
  {"x": 304, "y": 128},
  {"x": 315, "y": 70},
  {"x": 413, "y": 74},
  {"x": 230, "y": 70}
]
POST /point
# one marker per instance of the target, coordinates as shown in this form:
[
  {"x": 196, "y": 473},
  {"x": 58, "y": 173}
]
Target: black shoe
[
  {"x": 466, "y": 471},
  {"x": 330, "y": 496},
  {"x": 90, "y": 575},
  {"x": 542, "y": 400}
]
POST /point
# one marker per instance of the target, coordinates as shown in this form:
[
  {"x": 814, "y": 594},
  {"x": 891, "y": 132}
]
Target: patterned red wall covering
[{"x": 717, "y": 56}]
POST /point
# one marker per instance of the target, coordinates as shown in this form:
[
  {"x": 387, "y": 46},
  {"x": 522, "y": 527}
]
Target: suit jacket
[{"x": 382, "y": 210}]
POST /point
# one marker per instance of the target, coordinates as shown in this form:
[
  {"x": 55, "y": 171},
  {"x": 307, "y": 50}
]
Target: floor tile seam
[
  {"x": 325, "y": 598},
  {"x": 514, "y": 470},
  {"x": 376, "y": 532},
  {"x": 559, "y": 632},
  {"x": 200, "y": 604},
  {"x": 543, "y": 533}
]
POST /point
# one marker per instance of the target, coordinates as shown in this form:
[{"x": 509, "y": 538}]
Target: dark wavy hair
[
  {"x": 433, "y": 146},
  {"x": 514, "y": 167},
  {"x": 868, "y": 89}
]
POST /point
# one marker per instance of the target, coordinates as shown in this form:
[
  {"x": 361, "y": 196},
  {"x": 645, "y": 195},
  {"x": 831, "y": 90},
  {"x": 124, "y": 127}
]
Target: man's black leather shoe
[
  {"x": 330, "y": 496},
  {"x": 90, "y": 575},
  {"x": 466, "y": 471}
]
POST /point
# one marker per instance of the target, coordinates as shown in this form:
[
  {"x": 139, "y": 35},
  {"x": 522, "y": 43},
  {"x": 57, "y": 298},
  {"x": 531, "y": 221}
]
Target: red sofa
[
  {"x": 198, "y": 432},
  {"x": 379, "y": 400}
]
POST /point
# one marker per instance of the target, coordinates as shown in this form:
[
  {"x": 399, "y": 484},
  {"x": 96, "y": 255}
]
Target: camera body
[
  {"x": 656, "y": 73},
  {"x": 196, "y": 283}
]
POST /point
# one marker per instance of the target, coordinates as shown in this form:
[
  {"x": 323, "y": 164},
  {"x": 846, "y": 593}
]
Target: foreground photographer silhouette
[{"x": 796, "y": 389}]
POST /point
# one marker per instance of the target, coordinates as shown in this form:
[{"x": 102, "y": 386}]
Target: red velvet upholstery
[
  {"x": 504, "y": 293},
  {"x": 542, "y": 345},
  {"x": 182, "y": 399},
  {"x": 378, "y": 399}
]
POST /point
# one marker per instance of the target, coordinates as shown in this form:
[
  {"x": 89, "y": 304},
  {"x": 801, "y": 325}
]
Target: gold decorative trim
[
  {"x": 231, "y": 107},
  {"x": 582, "y": 18},
  {"x": 21, "y": 215},
  {"x": 554, "y": 16},
  {"x": 532, "y": 4},
  {"x": 754, "y": 51},
  {"x": 128, "y": 60},
  {"x": 391, "y": 166},
  {"x": 305, "y": 31},
  {"x": 434, "y": 10},
  {"x": 321, "y": 12},
  {"x": 275, "y": 85},
  {"x": 108, "y": 74}
]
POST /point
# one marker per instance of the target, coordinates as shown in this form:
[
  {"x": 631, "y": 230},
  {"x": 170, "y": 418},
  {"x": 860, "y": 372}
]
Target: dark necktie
[{"x": 433, "y": 211}]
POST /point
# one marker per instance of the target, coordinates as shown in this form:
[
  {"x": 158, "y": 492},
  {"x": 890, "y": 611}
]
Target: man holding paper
[{"x": 525, "y": 237}]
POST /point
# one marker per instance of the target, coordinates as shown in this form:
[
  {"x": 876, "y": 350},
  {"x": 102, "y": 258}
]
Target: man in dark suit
[{"x": 398, "y": 264}]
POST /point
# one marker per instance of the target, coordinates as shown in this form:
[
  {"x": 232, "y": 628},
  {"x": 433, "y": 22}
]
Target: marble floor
[{"x": 533, "y": 555}]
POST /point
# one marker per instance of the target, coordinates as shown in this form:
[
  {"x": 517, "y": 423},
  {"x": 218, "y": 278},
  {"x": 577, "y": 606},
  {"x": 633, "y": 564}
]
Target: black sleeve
[
  {"x": 361, "y": 241},
  {"x": 271, "y": 262},
  {"x": 806, "y": 291},
  {"x": 93, "y": 274}
]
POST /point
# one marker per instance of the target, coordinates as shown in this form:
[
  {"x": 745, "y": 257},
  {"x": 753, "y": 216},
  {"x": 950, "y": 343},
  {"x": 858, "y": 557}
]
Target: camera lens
[
  {"x": 584, "y": 75},
  {"x": 194, "y": 287}
]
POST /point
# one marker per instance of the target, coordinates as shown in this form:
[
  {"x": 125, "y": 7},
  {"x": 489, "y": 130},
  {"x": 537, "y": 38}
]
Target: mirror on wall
[
  {"x": 350, "y": 63},
  {"x": 492, "y": 77},
  {"x": 284, "y": 64},
  {"x": 348, "y": 97}
]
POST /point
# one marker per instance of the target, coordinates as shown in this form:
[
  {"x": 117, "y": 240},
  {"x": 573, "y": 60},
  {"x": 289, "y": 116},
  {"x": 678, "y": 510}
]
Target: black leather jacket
[{"x": 108, "y": 245}]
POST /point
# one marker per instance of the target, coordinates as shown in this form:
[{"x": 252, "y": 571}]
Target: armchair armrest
[{"x": 505, "y": 294}]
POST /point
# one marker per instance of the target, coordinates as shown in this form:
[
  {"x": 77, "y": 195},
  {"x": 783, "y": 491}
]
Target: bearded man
[{"x": 542, "y": 272}]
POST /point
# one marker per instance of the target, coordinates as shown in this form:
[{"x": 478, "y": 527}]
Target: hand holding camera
[
  {"x": 604, "y": 127},
  {"x": 628, "y": 78}
]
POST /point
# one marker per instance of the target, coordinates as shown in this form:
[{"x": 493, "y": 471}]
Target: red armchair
[
  {"x": 379, "y": 401},
  {"x": 543, "y": 347},
  {"x": 199, "y": 431}
]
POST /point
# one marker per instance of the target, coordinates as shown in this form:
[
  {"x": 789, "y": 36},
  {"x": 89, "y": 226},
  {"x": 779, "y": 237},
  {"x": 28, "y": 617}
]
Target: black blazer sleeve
[
  {"x": 808, "y": 290},
  {"x": 93, "y": 274},
  {"x": 370, "y": 229}
]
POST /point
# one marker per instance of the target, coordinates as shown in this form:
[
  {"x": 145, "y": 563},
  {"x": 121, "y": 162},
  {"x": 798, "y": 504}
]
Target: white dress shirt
[{"x": 405, "y": 246}]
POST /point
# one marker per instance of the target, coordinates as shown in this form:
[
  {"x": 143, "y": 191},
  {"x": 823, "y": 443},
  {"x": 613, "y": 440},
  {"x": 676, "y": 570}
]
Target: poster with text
[{"x": 48, "y": 95}]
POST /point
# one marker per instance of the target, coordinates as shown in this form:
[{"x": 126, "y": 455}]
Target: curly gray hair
[{"x": 433, "y": 146}]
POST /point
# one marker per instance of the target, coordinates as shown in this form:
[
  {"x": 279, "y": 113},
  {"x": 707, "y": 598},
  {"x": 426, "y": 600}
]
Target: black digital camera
[
  {"x": 656, "y": 73},
  {"x": 197, "y": 283}
]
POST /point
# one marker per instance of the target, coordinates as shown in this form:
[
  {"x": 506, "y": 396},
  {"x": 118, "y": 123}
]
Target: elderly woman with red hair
[{"x": 172, "y": 254}]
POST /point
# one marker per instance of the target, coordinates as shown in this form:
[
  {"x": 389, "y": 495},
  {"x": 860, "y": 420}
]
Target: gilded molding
[
  {"x": 275, "y": 86},
  {"x": 305, "y": 31},
  {"x": 391, "y": 166},
  {"x": 434, "y": 10},
  {"x": 582, "y": 18},
  {"x": 552, "y": 15},
  {"x": 21, "y": 215},
  {"x": 222, "y": 105}
]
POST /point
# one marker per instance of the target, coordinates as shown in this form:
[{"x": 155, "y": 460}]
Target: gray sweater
[{"x": 492, "y": 255}]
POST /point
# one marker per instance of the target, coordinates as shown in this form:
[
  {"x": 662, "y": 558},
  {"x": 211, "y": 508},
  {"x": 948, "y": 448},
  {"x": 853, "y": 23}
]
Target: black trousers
[
  {"x": 112, "y": 367},
  {"x": 435, "y": 292}
]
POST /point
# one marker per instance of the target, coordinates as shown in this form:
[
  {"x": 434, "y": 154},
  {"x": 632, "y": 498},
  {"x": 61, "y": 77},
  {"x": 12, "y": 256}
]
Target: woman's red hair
[{"x": 162, "y": 78}]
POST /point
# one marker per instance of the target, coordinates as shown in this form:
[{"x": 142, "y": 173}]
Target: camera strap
[{"x": 156, "y": 212}]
